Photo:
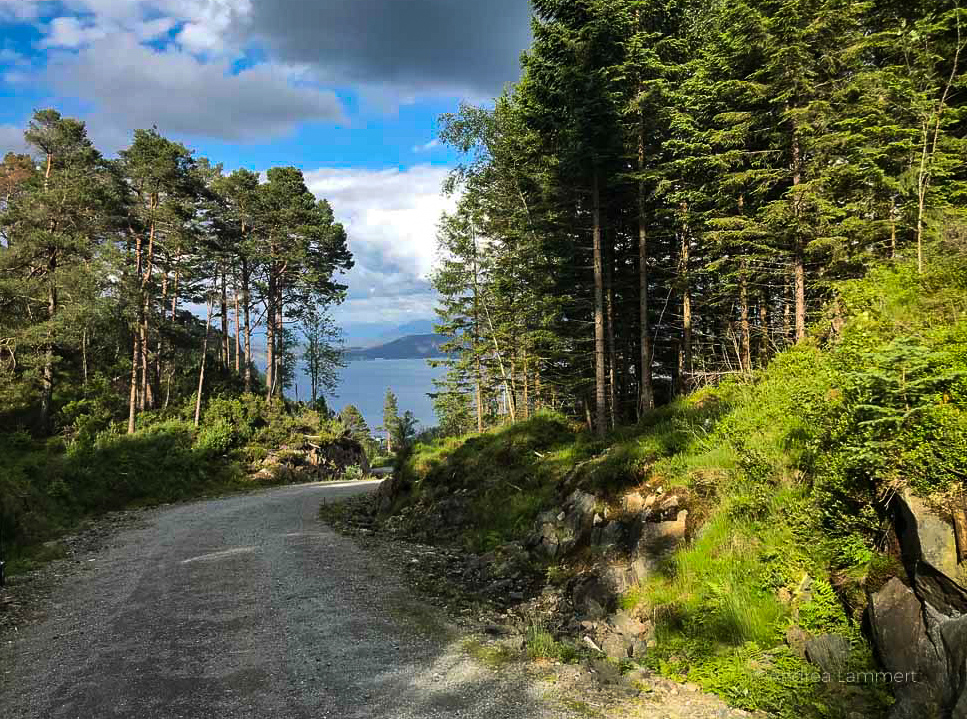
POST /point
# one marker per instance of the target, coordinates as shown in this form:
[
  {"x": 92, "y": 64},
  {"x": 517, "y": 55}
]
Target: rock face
[
  {"x": 829, "y": 652},
  {"x": 919, "y": 646},
  {"x": 919, "y": 628},
  {"x": 929, "y": 550}
]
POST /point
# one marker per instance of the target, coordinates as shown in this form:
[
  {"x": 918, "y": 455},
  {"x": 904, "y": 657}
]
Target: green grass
[
  {"x": 492, "y": 654},
  {"x": 48, "y": 485},
  {"x": 783, "y": 474}
]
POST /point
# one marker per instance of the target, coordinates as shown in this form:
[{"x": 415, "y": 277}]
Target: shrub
[{"x": 215, "y": 438}]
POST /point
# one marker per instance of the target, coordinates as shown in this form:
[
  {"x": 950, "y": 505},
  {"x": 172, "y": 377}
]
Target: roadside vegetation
[
  {"x": 48, "y": 484},
  {"x": 787, "y": 475}
]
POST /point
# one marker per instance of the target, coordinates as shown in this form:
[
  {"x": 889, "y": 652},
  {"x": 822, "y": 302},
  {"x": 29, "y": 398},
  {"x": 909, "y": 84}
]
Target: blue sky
[{"x": 348, "y": 90}]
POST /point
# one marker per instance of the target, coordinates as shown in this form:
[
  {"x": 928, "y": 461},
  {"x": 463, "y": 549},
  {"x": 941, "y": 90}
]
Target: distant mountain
[
  {"x": 410, "y": 347},
  {"x": 372, "y": 334},
  {"x": 416, "y": 327}
]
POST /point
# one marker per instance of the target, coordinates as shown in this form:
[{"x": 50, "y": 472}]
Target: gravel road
[{"x": 245, "y": 607}]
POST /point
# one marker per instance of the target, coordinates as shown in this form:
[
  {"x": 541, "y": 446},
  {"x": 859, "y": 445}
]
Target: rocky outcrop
[
  {"x": 908, "y": 650},
  {"x": 311, "y": 461},
  {"x": 621, "y": 636},
  {"x": 919, "y": 627},
  {"x": 928, "y": 547}
]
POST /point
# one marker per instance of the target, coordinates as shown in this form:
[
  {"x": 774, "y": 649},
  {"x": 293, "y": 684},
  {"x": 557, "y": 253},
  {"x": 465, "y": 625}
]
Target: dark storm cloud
[{"x": 455, "y": 46}]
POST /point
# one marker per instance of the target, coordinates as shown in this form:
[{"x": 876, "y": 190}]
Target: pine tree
[
  {"x": 52, "y": 220},
  {"x": 391, "y": 418}
]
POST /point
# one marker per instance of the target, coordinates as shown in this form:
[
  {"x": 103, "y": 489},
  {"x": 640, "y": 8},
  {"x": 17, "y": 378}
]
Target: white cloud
[
  {"x": 391, "y": 218},
  {"x": 69, "y": 32},
  {"x": 432, "y": 144},
  {"x": 395, "y": 310},
  {"x": 391, "y": 212}
]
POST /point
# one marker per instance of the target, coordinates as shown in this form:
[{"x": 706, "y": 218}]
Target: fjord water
[{"x": 364, "y": 384}]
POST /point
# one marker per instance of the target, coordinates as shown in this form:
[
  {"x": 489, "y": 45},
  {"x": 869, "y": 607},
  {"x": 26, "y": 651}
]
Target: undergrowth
[
  {"x": 787, "y": 475},
  {"x": 93, "y": 465}
]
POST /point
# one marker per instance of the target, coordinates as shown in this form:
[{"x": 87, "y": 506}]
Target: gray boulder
[
  {"x": 829, "y": 652},
  {"x": 928, "y": 547},
  {"x": 591, "y": 597},
  {"x": 907, "y": 649}
]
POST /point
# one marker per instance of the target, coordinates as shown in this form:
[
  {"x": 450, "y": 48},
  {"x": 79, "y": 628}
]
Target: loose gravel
[{"x": 241, "y": 607}]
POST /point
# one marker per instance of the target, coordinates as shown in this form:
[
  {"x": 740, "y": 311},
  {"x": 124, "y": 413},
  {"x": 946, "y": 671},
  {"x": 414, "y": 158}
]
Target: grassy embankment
[
  {"x": 785, "y": 474},
  {"x": 93, "y": 466}
]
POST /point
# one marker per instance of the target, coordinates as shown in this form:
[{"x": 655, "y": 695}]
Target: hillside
[
  {"x": 410, "y": 347},
  {"x": 760, "y": 538}
]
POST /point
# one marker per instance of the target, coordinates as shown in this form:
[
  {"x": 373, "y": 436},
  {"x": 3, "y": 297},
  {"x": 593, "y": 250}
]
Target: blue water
[{"x": 364, "y": 384}]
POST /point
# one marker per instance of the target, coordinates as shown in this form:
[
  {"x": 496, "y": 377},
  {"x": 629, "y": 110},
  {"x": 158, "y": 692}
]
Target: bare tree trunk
[
  {"x": 475, "y": 339},
  {"x": 277, "y": 377},
  {"x": 238, "y": 329},
  {"x": 47, "y": 390},
  {"x": 612, "y": 350},
  {"x": 204, "y": 358},
  {"x": 646, "y": 399},
  {"x": 600, "y": 391},
  {"x": 763, "y": 331},
  {"x": 744, "y": 321},
  {"x": 136, "y": 352},
  {"x": 799, "y": 267},
  {"x": 159, "y": 347},
  {"x": 646, "y": 390},
  {"x": 787, "y": 314},
  {"x": 246, "y": 310},
  {"x": 686, "y": 349},
  {"x": 133, "y": 397},
  {"x": 226, "y": 353},
  {"x": 524, "y": 372},
  {"x": 270, "y": 337}
]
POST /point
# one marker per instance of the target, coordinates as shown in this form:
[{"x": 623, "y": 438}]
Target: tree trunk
[
  {"x": 47, "y": 388},
  {"x": 526, "y": 398},
  {"x": 685, "y": 377},
  {"x": 159, "y": 347},
  {"x": 204, "y": 358},
  {"x": 475, "y": 339},
  {"x": 136, "y": 353},
  {"x": 744, "y": 325},
  {"x": 278, "y": 377},
  {"x": 600, "y": 391},
  {"x": 763, "y": 331},
  {"x": 133, "y": 396},
  {"x": 238, "y": 324},
  {"x": 646, "y": 389},
  {"x": 799, "y": 267},
  {"x": 787, "y": 314},
  {"x": 646, "y": 399},
  {"x": 612, "y": 350},
  {"x": 226, "y": 353},
  {"x": 246, "y": 310},
  {"x": 270, "y": 337}
]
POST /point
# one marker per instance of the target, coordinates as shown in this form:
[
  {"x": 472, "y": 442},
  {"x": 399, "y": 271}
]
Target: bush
[{"x": 216, "y": 437}]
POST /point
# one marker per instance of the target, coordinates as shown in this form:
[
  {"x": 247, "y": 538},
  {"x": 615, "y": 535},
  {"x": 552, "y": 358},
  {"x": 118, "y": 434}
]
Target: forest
[
  {"x": 137, "y": 296},
  {"x": 670, "y": 192}
]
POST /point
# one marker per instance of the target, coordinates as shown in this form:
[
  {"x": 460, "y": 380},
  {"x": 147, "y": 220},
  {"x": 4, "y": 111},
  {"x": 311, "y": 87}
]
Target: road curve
[{"x": 246, "y": 606}]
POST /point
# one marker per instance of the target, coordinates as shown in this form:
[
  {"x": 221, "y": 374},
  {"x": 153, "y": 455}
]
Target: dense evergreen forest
[{"x": 669, "y": 193}]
